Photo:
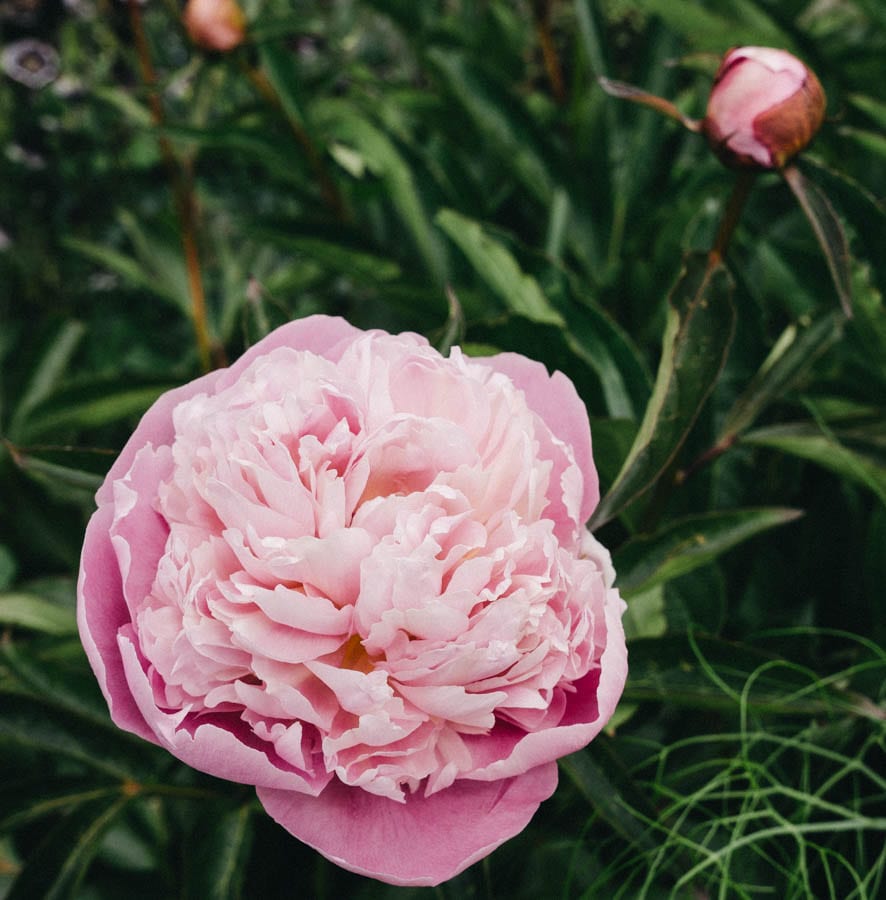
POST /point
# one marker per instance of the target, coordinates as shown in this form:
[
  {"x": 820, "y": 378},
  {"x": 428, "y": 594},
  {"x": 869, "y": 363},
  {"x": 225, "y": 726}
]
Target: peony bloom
[
  {"x": 765, "y": 106},
  {"x": 354, "y": 573},
  {"x": 215, "y": 24}
]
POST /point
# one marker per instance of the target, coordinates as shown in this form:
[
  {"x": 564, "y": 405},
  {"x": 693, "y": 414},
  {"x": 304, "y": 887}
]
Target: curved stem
[{"x": 182, "y": 182}]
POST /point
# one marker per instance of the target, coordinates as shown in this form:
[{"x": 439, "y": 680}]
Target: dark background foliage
[{"x": 453, "y": 168}]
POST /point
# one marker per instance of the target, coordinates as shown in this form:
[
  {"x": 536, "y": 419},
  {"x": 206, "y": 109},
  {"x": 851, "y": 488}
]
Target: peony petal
[
  {"x": 554, "y": 399},
  {"x": 224, "y": 750},
  {"x": 101, "y": 613},
  {"x": 423, "y": 841}
]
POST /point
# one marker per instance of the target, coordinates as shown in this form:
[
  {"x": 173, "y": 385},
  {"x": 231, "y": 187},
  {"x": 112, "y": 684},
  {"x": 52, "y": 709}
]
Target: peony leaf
[
  {"x": 336, "y": 256},
  {"x": 822, "y": 444},
  {"x": 494, "y": 263},
  {"x": 507, "y": 128},
  {"x": 219, "y": 856},
  {"x": 701, "y": 319},
  {"x": 601, "y": 778},
  {"x": 65, "y": 483},
  {"x": 345, "y": 124},
  {"x": 29, "y": 801},
  {"x": 48, "y": 371},
  {"x": 128, "y": 268},
  {"x": 787, "y": 363},
  {"x": 90, "y": 404},
  {"x": 33, "y": 725},
  {"x": 23, "y": 610},
  {"x": 828, "y": 231},
  {"x": 510, "y": 134},
  {"x": 701, "y": 672},
  {"x": 685, "y": 544},
  {"x": 55, "y": 868},
  {"x": 8, "y": 567}
]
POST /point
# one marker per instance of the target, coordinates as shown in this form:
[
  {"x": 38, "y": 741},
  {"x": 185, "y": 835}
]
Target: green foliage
[{"x": 425, "y": 166}]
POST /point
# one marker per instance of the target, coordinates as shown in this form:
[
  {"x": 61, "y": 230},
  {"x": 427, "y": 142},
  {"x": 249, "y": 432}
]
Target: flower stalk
[{"x": 182, "y": 183}]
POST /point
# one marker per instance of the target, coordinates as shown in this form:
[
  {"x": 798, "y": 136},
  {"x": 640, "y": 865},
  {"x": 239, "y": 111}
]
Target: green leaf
[
  {"x": 828, "y": 230},
  {"x": 62, "y": 482},
  {"x": 91, "y": 404},
  {"x": 54, "y": 870},
  {"x": 685, "y": 544},
  {"x": 216, "y": 866},
  {"x": 278, "y": 63},
  {"x": 47, "y": 373},
  {"x": 496, "y": 266},
  {"x": 23, "y": 610},
  {"x": 597, "y": 339},
  {"x": 346, "y": 124},
  {"x": 700, "y": 672},
  {"x": 127, "y": 267},
  {"x": 7, "y": 567},
  {"x": 507, "y": 129},
  {"x": 24, "y": 802},
  {"x": 645, "y": 615},
  {"x": 799, "y": 346},
  {"x": 336, "y": 256},
  {"x": 600, "y": 777},
  {"x": 37, "y": 725},
  {"x": 697, "y": 337},
  {"x": 820, "y": 444}
]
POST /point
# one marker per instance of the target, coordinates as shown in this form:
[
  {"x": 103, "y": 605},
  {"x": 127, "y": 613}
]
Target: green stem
[
  {"x": 731, "y": 215},
  {"x": 182, "y": 182}
]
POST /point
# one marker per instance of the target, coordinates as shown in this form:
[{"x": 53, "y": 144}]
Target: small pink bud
[
  {"x": 765, "y": 107},
  {"x": 215, "y": 24}
]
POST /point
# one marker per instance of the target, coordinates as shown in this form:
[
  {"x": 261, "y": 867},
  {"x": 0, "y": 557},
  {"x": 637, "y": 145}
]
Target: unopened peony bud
[
  {"x": 765, "y": 106},
  {"x": 215, "y": 24}
]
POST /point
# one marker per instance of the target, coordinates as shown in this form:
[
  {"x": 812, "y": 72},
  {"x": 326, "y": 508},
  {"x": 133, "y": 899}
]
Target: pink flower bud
[
  {"x": 765, "y": 106},
  {"x": 215, "y": 24}
]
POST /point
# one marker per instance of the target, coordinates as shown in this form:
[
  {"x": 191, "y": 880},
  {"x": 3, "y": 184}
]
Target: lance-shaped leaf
[
  {"x": 787, "y": 363},
  {"x": 21, "y": 609},
  {"x": 828, "y": 231},
  {"x": 31, "y": 725},
  {"x": 702, "y": 672},
  {"x": 220, "y": 852},
  {"x": 686, "y": 544},
  {"x": 826, "y": 446},
  {"x": 701, "y": 320},
  {"x": 56, "y": 867},
  {"x": 494, "y": 263}
]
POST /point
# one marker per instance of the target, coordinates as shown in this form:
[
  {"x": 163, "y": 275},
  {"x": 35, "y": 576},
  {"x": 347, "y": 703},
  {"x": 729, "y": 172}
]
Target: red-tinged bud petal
[
  {"x": 215, "y": 24},
  {"x": 765, "y": 107}
]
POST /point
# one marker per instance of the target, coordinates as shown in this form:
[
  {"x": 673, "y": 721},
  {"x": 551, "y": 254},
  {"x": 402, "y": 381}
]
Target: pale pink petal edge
[{"x": 555, "y": 399}]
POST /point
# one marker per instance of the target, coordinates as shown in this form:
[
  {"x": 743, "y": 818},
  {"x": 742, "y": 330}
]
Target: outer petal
[
  {"x": 555, "y": 400},
  {"x": 222, "y": 747},
  {"x": 101, "y": 612},
  {"x": 425, "y": 840}
]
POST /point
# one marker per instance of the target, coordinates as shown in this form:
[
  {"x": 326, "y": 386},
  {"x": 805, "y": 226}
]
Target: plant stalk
[{"x": 182, "y": 183}]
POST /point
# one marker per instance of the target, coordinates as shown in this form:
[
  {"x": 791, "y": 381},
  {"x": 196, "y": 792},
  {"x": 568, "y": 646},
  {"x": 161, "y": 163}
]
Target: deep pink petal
[
  {"x": 101, "y": 612},
  {"x": 425, "y": 840},
  {"x": 219, "y": 745}
]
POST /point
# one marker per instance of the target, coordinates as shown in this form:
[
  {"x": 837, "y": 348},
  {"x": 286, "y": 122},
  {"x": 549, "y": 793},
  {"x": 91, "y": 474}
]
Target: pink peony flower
[
  {"x": 765, "y": 106},
  {"x": 354, "y": 573}
]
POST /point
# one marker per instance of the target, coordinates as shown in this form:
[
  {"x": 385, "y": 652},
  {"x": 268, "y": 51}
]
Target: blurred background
[{"x": 452, "y": 167}]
